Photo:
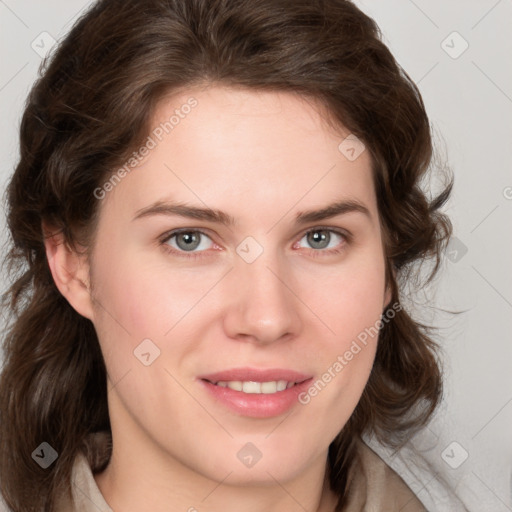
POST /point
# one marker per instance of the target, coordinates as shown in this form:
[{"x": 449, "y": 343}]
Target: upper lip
[{"x": 256, "y": 375}]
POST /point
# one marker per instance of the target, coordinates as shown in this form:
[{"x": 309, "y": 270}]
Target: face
[{"x": 210, "y": 264}]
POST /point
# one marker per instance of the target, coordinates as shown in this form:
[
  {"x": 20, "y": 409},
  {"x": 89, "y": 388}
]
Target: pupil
[
  {"x": 187, "y": 241},
  {"x": 319, "y": 239}
]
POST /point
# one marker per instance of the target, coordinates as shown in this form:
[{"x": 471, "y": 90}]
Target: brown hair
[{"x": 92, "y": 106}]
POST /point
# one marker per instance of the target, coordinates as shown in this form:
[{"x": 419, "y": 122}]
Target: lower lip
[{"x": 257, "y": 405}]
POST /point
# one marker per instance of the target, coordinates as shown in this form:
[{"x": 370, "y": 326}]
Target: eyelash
[{"x": 315, "y": 253}]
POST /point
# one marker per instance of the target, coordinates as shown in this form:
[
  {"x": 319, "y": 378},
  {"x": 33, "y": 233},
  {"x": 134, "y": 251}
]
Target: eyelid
[
  {"x": 169, "y": 234},
  {"x": 340, "y": 231}
]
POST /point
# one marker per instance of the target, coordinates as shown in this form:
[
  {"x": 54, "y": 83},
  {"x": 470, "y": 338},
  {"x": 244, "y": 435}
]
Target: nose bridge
[{"x": 263, "y": 307}]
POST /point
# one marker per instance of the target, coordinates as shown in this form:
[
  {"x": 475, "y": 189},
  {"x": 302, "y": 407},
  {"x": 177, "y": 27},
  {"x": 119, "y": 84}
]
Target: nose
[{"x": 261, "y": 304}]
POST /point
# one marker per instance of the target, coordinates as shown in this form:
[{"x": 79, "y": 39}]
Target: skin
[{"x": 261, "y": 157}]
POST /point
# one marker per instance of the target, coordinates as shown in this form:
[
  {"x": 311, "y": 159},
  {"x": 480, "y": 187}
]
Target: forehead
[{"x": 214, "y": 145}]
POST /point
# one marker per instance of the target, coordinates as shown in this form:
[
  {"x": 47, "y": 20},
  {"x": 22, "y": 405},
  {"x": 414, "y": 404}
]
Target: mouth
[{"x": 256, "y": 393}]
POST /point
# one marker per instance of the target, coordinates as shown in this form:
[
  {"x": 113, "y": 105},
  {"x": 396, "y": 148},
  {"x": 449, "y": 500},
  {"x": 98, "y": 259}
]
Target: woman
[{"x": 213, "y": 209}]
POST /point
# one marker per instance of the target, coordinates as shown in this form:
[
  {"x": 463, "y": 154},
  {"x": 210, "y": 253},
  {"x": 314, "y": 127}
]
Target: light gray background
[{"x": 468, "y": 96}]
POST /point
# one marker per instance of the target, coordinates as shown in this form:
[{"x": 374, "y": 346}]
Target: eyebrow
[{"x": 220, "y": 217}]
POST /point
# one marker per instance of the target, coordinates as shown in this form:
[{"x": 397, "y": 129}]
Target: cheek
[
  {"x": 347, "y": 300},
  {"x": 349, "y": 304},
  {"x": 144, "y": 298}
]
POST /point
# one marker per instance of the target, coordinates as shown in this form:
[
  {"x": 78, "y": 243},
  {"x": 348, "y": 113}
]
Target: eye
[
  {"x": 196, "y": 242},
  {"x": 326, "y": 240},
  {"x": 188, "y": 241}
]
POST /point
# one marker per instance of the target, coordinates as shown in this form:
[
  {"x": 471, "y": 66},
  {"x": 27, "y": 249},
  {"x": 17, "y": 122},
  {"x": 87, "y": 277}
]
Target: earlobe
[
  {"x": 388, "y": 291},
  {"x": 387, "y": 297},
  {"x": 70, "y": 271}
]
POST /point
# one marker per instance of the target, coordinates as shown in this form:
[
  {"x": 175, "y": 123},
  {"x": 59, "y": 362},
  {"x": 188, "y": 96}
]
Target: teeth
[
  {"x": 252, "y": 387},
  {"x": 235, "y": 384}
]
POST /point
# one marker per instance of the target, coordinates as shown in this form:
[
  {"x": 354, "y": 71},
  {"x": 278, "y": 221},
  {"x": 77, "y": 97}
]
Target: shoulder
[
  {"x": 85, "y": 496},
  {"x": 3, "y": 506},
  {"x": 375, "y": 487}
]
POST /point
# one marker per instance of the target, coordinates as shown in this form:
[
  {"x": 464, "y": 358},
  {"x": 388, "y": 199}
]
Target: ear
[{"x": 70, "y": 271}]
